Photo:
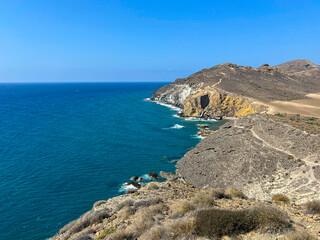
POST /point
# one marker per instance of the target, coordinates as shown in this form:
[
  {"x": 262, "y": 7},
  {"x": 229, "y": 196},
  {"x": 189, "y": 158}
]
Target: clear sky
[{"x": 149, "y": 40}]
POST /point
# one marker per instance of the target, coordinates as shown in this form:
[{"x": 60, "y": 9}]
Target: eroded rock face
[
  {"x": 210, "y": 102},
  {"x": 259, "y": 156}
]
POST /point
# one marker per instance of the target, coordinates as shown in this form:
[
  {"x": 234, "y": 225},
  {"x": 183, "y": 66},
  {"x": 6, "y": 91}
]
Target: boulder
[
  {"x": 140, "y": 179},
  {"x": 134, "y": 178},
  {"x": 153, "y": 175}
]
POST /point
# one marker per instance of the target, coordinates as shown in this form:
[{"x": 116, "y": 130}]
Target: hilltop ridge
[{"x": 231, "y": 90}]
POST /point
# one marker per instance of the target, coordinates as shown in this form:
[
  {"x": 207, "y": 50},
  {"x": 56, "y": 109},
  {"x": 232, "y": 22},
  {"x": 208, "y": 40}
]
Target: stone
[{"x": 153, "y": 175}]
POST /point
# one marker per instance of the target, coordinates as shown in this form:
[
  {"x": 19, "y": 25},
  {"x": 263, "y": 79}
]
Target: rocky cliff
[
  {"x": 232, "y": 90},
  {"x": 259, "y": 156}
]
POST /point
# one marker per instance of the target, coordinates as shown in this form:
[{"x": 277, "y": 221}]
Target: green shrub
[
  {"x": 280, "y": 198},
  {"x": 280, "y": 115},
  {"x": 313, "y": 207}
]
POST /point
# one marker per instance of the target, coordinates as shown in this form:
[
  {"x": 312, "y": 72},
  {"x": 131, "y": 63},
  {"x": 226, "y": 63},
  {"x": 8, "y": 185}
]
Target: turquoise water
[{"x": 65, "y": 146}]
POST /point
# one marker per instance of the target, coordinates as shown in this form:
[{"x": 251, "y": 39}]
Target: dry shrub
[
  {"x": 85, "y": 221},
  {"x": 154, "y": 233},
  {"x": 299, "y": 236},
  {"x": 128, "y": 202},
  {"x": 280, "y": 198},
  {"x": 215, "y": 223},
  {"x": 152, "y": 186},
  {"x": 182, "y": 206},
  {"x": 234, "y": 192},
  {"x": 313, "y": 207},
  {"x": 83, "y": 237},
  {"x": 123, "y": 234},
  {"x": 181, "y": 227},
  {"x": 125, "y": 212},
  {"x": 99, "y": 203},
  {"x": 219, "y": 193},
  {"x": 206, "y": 199},
  {"x": 147, "y": 203},
  {"x": 270, "y": 218}
]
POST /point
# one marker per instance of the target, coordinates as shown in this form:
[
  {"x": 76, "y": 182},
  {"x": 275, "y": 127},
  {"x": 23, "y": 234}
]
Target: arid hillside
[{"x": 231, "y": 90}]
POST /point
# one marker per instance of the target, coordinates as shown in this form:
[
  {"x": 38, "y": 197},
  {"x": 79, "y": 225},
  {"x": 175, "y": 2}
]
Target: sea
[{"x": 64, "y": 146}]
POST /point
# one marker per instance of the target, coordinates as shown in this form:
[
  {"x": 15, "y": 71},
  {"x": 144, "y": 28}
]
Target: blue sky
[{"x": 146, "y": 40}]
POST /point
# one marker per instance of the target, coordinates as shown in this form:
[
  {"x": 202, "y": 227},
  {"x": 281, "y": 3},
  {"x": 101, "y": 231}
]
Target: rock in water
[{"x": 153, "y": 175}]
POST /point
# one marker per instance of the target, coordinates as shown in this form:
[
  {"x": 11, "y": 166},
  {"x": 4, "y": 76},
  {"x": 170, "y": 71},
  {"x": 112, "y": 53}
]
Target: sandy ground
[{"x": 310, "y": 106}]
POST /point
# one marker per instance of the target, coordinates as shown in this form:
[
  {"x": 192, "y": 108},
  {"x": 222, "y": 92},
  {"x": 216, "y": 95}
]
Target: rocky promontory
[
  {"x": 258, "y": 155},
  {"x": 234, "y": 91}
]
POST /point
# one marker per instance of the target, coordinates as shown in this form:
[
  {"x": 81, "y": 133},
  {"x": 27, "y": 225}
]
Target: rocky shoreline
[{"x": 257, "y": 177}]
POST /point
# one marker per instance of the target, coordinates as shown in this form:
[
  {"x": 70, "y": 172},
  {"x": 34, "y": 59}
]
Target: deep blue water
[{"x": 65, "y": 146}]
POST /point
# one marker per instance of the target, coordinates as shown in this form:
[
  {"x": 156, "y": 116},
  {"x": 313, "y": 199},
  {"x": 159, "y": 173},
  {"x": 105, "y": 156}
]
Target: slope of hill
[{"x": 231, "y": 90}]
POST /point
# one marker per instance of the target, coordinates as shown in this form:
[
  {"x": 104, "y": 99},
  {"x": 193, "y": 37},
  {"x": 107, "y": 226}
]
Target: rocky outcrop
[
  {"x": 209, "y": 103},
  {"x": 232, "y": 90},
  {"x": 259, "y": 156}
]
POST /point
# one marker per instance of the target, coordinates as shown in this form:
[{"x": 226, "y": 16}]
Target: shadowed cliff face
[
  {"x": 259, "y": 156},
  {"x": 239, "y": 89}
]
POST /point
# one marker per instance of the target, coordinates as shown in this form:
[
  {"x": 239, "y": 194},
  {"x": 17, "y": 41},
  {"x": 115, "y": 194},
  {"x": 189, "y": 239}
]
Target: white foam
[
  {"x": 125, "y": 187},
  {"x": 200, "y": 137},
  {"x": 177, "y": 126},
  {"x": 172, "y": 107},
  {"x": 147, "y": 99}
]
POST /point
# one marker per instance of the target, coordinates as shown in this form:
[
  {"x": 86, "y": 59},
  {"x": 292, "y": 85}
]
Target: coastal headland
[{"x": 257, "y": 177}]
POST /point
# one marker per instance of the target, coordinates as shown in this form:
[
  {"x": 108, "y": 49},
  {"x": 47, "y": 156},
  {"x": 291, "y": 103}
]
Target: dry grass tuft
[
  {"x": 155, "y": 233},
  {"x": 147, "y": 203},
  {"x": 125, "y": 212},
  {"x": 234, "y": 192},
  {"x": 128, "y": 202},
  {"x": 181, "y": 228},
  {"x": 152, "y": 186},
  {"x": 182, "y": 206},
  {"x": 299, "y": 236},
  {"x": 280, "y": 198},
  {"x": 313, "y": 207},
  {"x": 206, "y": 199}
]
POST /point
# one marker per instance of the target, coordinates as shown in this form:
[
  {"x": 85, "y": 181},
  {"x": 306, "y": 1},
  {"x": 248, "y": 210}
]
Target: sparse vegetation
[
  {"x": 280, "y": 115},
  {"x": 125, "y": 212},
  {"x": 299, "y": 236},
  {"x": 152, "y": 186},
  {"x": 280, "y": 198},
  {"x": 181, "y": 227},
  {"x": 234, "y": 192},
  {"x": 147, "y": 203},
  {"x": 125, "y": 203},
  {"x": 313, "y": 207},
  {"x": 182, "y": 206},
  {"x": 206, "y": 199},
  {"x": 216, "y": 223}
]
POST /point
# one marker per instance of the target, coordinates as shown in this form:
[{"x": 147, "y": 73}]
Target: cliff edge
[{"x": 234, "y": 91}]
